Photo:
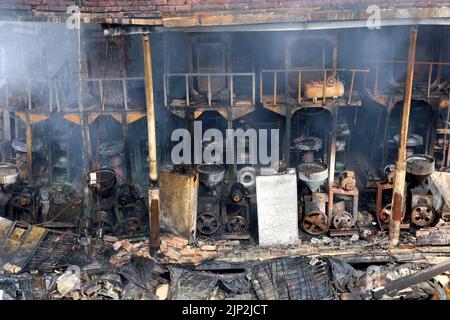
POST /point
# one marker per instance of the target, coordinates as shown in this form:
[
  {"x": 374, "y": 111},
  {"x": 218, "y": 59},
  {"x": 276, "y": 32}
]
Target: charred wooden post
[
  {"x": 153, "y": 190},
  {"x": 400, "y": 166}
]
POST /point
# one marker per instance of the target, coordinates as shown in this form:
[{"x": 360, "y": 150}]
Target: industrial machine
[
  {"x": 114, "y": 208},
  {"x": 331, "y": 210},
  {"x": 39, "y": 163},
  {"x": 314, "y": 218},
  {"x": 419, "y": 209},
  {"x": 220, "y": 213}
]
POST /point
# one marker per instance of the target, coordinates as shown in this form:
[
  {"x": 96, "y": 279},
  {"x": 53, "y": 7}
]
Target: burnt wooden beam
[{"x": 415, "y": 278}]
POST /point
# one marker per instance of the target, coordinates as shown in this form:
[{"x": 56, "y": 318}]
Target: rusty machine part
[
  {"x": 211, "y": 175},
  {"x": 132, "y": 208},
  {"x": 422, "y": 212},
  {"x": 133, "y": 226},
  {"x": 389, "y": 173},
  {"x": 418, "y": 168},
  {"x": 334, "y": 88},
  {"x": 8, "y": 173},
  {"x": 238, "y": 192},
  {"x": 103, "y": 223},
  {"x": 237, "y": 225},
  {"x": 313, "y": 174},
  {"x": 422, "y": 215},
  {"x": 127, "y": 194},
  {"x": 235, "y": 213},
  {"x": 61, "y": 205},
  {"x": 304, "y": 143},
  {"x": 315, "y": 223},
  {"x": 413, "y": 141},
  {"x": 343, "y": 221},
  {"x": 347, "y": 180},
  {"x": 385, "y": 214},
  {"x": 207, "y": 223},
  {"x": 24, "y": 205},
  {"x": 308, "y": 146}
]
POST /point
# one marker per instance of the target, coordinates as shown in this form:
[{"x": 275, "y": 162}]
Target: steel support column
[
  {"x": 332, "y": 154},
  {"x": 29, "y": 144},
  {"x": 398, "y": 200}
]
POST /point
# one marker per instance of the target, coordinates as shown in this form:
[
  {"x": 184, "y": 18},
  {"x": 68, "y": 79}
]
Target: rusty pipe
[
  {"x": 29, "y": 144},
  {"x": 153, "y": 191},
  {"x": 400, "y": 167},
  {"x": 151, "y": 121}
]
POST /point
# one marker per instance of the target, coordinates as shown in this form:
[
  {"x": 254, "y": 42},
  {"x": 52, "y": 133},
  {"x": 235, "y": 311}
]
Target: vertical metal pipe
[
  {"x": 127, "y": 148},
  {"x": 332, "y": 154},
  {"x": 253, "y": 89},
  {"x": 275, "y": 88},
  {"x": 377, "y": 73},
  {"x": 153, "y": 191},
  {"x": 350, "y": 92},
  {"x": 29, "y": 94},
  {"x": 165, "y": 89},
  {"x": 50, "y": 94},
  {"x": 261, "y": 87},
  {"x": 6, "y": 137},
  {"x": 186, "y": 81},
  {"x": 430, "y": 73},
  {"x": 400, "y": 167},
  {"x": 29, "y": 143},
  {"x": 287, "y": 142},
  {"x": 125, "y": 92},
  {"x": 209, "y": 90},
  {"x": 100, "y": 90},
  {"x": 85, "y": 135},
  {"x": 231, "y": 90}
]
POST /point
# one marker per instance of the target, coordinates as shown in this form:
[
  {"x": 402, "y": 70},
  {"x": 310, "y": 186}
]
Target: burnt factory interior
[{"x": 88, "y": 175}]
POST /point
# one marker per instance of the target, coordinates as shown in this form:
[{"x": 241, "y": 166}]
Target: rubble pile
[{"x": 439, "y": 235}]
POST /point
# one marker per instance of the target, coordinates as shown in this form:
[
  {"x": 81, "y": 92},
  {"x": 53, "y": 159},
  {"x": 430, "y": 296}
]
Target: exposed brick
[
  {"x": 207, "y": 247},
  {"x": 177, "y": 8}
]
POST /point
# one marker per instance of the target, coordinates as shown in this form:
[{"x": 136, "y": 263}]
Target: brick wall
[{"x": 159, "y": 8}]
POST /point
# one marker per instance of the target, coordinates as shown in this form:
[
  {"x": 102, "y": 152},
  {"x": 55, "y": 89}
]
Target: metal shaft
[
  {"x": 153, "y": 191},
  {"x": 29, "y": 144},
  {"x": 398, "y": 200}
]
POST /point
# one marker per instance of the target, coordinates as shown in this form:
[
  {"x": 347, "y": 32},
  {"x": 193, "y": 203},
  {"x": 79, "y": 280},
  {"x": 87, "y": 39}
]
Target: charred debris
[{"x": 93, "y": 205}]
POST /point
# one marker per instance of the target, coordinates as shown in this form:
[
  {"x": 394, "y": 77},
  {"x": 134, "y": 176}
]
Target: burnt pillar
[
  {"x": 153, "y": 189},
  {"x": 398, "y": 200}
]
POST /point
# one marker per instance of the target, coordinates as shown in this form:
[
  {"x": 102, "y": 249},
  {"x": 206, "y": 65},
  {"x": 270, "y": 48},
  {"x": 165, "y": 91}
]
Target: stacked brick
[
  {"x": 434, "y": 236},
  {"x": 177, "y": 250},
  {"x": 159, "y": 8}
]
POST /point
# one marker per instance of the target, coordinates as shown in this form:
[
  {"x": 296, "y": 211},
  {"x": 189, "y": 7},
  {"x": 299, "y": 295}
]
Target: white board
[{"x": 276, "y": 197}]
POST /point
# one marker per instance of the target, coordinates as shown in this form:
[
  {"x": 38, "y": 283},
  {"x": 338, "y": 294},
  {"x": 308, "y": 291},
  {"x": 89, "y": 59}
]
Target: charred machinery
[
  {"x": 220, "y": 213},
  {"x": 419, "y": 210},
  {"x": 113, "y": 208}
]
